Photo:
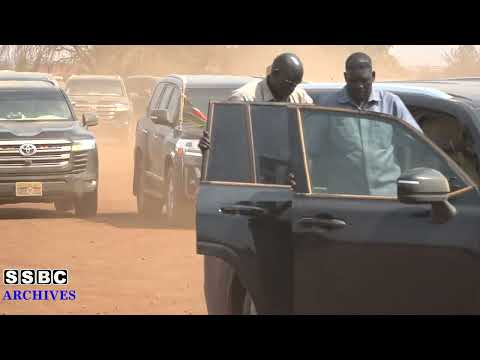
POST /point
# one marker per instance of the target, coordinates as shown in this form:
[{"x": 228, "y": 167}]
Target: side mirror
[
  {"x": 89, "y": 119},
  {"x": 160, "y": 116},
  {"x": 427, "y": 186}
]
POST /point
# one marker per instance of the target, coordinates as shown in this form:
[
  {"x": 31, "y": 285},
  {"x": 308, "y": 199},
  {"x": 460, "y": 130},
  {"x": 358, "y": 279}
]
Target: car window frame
[
  {"x": 470, "y": 184},
  {"x": 154, "y": 98},
  {"x": 175, "y": 113},
  {"x": 163, "y": 97}
]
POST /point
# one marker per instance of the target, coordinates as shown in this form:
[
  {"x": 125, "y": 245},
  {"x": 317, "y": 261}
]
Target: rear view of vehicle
[
  {"x": 106, "y": 96},
  {"x": 46, "y": 155}
]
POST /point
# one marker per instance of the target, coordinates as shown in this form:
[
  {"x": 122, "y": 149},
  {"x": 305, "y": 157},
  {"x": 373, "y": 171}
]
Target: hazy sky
[{"x": 419, "y": 55}]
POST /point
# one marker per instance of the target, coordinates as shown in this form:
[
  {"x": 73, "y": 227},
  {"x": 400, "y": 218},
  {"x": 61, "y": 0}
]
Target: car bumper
[{"x": 54, "y": 186}]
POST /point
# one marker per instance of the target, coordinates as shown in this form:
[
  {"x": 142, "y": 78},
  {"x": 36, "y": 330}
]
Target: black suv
[
  {"x": 46, "y": 154},
  {"x": 106, "y": 96},
  {"x": 167, "y": 158},
  {"x": 404, "y": 241}
]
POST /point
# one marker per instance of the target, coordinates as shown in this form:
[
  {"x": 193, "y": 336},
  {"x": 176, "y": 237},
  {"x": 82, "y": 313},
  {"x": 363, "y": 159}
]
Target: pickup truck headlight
[{"x": 85, "y": 144}]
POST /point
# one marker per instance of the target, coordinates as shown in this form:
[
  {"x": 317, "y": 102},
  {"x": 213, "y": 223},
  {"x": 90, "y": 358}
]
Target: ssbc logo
[{"x": 35, "y": 277}]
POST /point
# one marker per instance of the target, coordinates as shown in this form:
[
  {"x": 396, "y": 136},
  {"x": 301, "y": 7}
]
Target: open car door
[{"x": 370, "y": 226}]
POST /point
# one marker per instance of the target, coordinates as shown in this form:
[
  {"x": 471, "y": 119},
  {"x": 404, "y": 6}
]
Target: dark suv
[
  {"x": 361, "y": 234},
  {"x": 167, "y": 158},
  {"x": 106, "y": 96},
  {"x": 46, "y": 154}
]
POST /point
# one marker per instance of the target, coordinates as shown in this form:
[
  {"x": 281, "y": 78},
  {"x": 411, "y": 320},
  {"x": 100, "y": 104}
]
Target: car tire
[
  {"x": 176, "y": 211},
  {"x": 249, "y": 307},
  {"x": 147, "y": 206},
  {"x": 63, "y": 204},
  {"x": 87, "y": 205}
]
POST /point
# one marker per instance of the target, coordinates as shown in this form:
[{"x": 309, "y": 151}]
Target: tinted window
[
  {"x": 200, "y": 98},
  {"x": 271, "y": 144},
  {"x": 156, "y": 96},
  {"x": 174, "y": 104},
  {"x": 363, "y": 155},
  {"x": 16, "y": 106},
  {"x": 99, "y": 87},
  {"x": 165, "y": 98},
  {"x": 229, "y": 158}
]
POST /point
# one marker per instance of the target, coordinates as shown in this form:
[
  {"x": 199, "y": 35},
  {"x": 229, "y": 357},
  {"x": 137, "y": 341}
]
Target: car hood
[
  {"x": 40, "y": 129},
  {"x": 95, "y": 99}
]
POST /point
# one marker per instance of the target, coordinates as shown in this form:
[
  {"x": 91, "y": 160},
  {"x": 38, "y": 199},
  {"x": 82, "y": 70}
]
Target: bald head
[
  {"x": 288, "y": 63},
  {"x": 286, "y": 73},
  {"x": 358, "y": 60}
]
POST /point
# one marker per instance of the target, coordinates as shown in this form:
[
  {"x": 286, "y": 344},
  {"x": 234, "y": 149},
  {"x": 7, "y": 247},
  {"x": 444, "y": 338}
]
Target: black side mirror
[
  {"x": 89, "y": 119},
  {"x": 427, "y": 186},
  {"x": 160, "y": 116}
]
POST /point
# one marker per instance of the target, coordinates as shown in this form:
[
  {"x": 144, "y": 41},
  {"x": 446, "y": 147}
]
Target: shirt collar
[
  {"x": 266, "y": 92},
  {"x": 344, "y": 98}
]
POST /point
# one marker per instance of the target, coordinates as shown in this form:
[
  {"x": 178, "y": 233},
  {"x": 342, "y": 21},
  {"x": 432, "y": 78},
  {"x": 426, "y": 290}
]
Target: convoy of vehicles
[{"x": 314, "y": 247}]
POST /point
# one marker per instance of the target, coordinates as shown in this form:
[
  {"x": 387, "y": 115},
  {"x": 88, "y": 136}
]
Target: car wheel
[
  {"x": 86, "y": 206},
  {"x": 249, "y": 307},
  {"x": 175, "y": 209},
  {"x": 147, "y": 206},
  {"x": 63, "y": 204}
]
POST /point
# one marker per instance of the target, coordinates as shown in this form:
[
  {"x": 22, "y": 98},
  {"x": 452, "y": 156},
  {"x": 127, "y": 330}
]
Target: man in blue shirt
[{"x": 358, "y": 154}]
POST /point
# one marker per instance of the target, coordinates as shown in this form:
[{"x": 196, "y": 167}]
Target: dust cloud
[{"x": 321, "y": 63}]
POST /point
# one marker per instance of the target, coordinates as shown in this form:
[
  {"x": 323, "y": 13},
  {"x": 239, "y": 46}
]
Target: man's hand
[{"x": 204, "y": 143}]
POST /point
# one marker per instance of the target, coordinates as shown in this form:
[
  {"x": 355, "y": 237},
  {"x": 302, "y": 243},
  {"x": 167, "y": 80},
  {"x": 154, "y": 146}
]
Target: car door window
[
  {"x": 174, "y": 104},
  {"x": 452, "y": 136},
  {"x": 229, "y": 158},
  {"x": 364, "y": 154},
  {"x": 156, "y": 96},
  {"x": 165, "y": 98},
  {"x": 271, "y": 143}
]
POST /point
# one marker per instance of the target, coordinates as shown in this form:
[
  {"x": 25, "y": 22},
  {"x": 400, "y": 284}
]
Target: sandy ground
[{"x": 118, "y": 262}]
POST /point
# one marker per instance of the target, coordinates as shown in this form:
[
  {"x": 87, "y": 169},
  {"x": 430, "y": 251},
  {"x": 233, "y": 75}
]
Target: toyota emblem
[{"x": 28, "y": 149}]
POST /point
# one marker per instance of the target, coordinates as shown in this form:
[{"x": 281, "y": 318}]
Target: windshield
[
  {"x": 99, "y": 87},
  {"x": 195, "y": 110},
  {"x": 17, "y": 107},
  {"x": 201, "y": 97}
]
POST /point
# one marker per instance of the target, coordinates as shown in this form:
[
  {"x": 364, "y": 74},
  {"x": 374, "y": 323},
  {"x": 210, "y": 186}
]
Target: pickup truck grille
[
  {"x": 51, "y": 154},
  {"x": 80, "y": 160},
  {"x": 104, "y": 112}
]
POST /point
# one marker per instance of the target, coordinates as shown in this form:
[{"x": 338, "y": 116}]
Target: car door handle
[
  {"x": 243, "y": 210},
  {"x": 145, "y": 131},
  {"x": 329, "y": 224},
  {"x": 155, "y": 136}
]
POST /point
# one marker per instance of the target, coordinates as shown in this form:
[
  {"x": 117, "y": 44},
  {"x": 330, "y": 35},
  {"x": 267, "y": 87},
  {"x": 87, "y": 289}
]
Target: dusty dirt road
[{"x": 118, "y": 263}]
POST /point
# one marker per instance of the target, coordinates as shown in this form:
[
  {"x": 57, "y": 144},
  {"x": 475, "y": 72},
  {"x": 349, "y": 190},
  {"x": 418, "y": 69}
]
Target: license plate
[{"x": 29, "y": 189}]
